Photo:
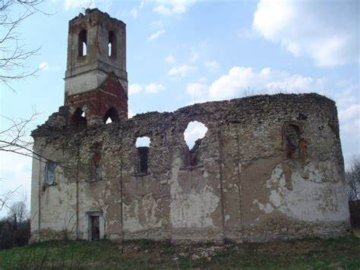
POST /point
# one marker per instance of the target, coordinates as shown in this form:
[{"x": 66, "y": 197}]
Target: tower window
[
  {"x": 82, "y": 49},
  {"x": 111, "y": 44}
]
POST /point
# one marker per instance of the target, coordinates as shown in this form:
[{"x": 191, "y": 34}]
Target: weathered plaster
[{"x": 243, "y": 187}]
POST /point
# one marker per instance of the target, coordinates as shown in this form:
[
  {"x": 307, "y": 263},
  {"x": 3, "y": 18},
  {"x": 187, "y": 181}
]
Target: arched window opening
[
  {"x": 82, "y": 49},
  {"x": 291, "y": 141},
  {"x": 111, "y": 116},
  {"x": 111, "y": 44},
  {"x": 193, "y": 135},
  {"x": 78, "y": 120},
  {"x": 50, "y": 173},
  {"x": 142, "y": 145}
]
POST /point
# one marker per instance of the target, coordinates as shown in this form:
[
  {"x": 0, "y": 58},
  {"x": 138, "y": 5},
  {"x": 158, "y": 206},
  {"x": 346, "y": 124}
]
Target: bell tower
[{"x": 96, "y": 86}]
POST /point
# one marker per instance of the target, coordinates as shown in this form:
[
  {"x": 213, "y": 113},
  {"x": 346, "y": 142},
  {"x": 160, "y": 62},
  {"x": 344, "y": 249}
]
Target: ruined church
[{"x": 270, "y": 167}]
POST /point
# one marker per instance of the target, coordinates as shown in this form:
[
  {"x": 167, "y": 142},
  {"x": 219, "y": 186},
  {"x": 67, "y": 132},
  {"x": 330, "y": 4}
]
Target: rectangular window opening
[{"x": 143, "y": 155}]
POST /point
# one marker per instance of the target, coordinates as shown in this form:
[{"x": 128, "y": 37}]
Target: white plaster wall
[
  {"x": 147, "y": 206},
  {"x": 58, "y": 209},
  {"x": 310, "y": 199},
  {"x": 190, "y": 210}
]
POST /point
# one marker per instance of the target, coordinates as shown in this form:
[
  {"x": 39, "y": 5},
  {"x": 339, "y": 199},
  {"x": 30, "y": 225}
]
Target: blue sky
[{"x": 186, "y": 51}]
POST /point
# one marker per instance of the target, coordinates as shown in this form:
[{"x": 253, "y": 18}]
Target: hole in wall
[
  {"x": 194, "y": 131},
  {"x": 142, "y": 144},
  {"x": 193, "y": 135}
]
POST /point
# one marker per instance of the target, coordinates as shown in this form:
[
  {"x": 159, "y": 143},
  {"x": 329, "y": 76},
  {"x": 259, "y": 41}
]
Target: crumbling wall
[{"x": 269, "y": 167}]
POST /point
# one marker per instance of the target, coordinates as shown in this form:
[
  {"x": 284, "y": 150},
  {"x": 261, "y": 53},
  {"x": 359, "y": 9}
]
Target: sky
[{"x": 183, "y": 52}]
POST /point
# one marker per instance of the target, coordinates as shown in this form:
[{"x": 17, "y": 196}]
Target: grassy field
[{"x": 337, "y": 254}]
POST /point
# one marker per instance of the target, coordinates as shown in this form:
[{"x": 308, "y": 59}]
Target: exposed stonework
[
  {"x": 269, "y": 167},
  {"x": 244, "y": 187}
]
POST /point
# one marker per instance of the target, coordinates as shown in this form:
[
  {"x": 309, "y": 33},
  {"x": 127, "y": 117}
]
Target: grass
[{"x": 343, "y": 253}]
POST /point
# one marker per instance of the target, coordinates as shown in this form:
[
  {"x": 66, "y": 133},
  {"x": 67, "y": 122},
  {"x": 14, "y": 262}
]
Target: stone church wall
[{"x": 268, "y": 168}]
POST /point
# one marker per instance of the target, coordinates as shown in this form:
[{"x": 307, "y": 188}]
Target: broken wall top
[{"x": 247, "y": 111}]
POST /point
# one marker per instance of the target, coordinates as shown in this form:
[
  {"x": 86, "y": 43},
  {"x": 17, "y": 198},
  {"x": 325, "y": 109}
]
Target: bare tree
[
  {"x": 14, "y": 137},
  {"x": 17, "y": 212},
  {"x": 353, "y": 180},
  {"x": 5, "y": 197},
  {"x": 15, "y": 228},
  {"x": 13, "y": 55}
]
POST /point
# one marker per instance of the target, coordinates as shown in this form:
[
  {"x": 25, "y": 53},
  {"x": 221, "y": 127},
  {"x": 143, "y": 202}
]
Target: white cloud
[
  {"x": 135, "y": 11},
  {"x": 170, "y": 59},
  {"x": 43, "y": 66},
  {"x": 74, "y": 4},
  {"x": 135, "y": 88},
  {"x": 350, "y": 117},
  {"x": 182, "y": 71},
  {"x": 171, "y": 7},
  {"x": 157, "y": 24},
  {"x": 151, "y": 88},
  {"x": 243, "y": 81},
  {"x": 198, "y": 91},
  {"x": 211, "y": 65},
  {"x": 327, "y": 31},
  {"x": 156, "y": 35},
  {"x": 348, "y": 102}
]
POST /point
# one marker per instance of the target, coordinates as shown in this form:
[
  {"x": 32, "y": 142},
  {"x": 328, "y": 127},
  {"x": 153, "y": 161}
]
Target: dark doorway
[{"x": 95, "y": 228}]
